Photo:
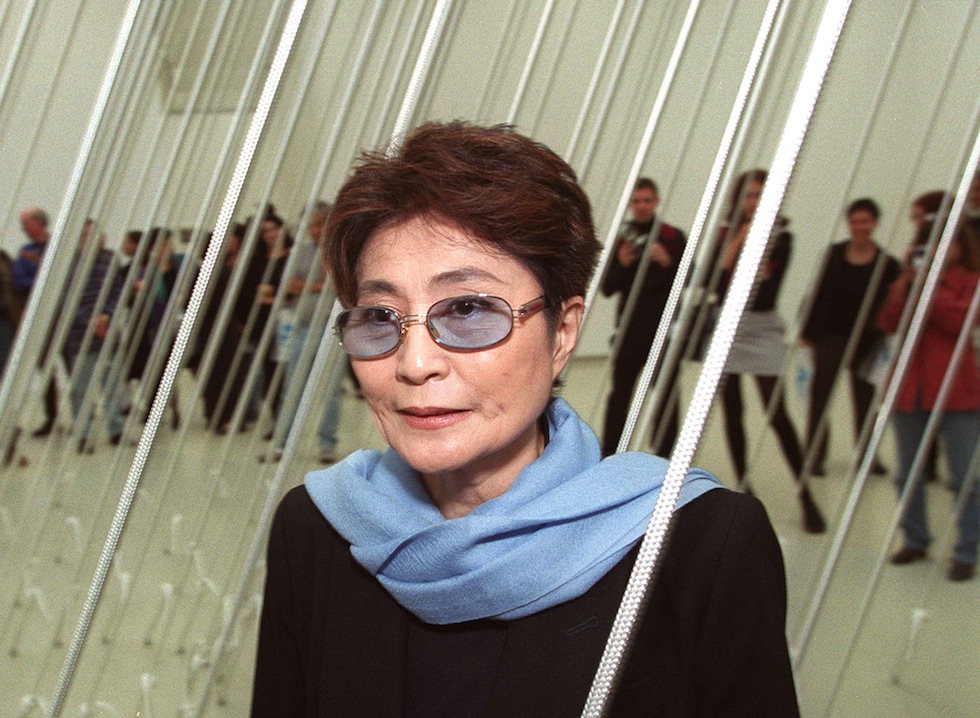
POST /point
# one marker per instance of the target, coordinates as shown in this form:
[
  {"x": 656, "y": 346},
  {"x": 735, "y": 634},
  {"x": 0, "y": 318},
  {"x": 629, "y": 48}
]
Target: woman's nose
[{"x": 420, "y": 358}]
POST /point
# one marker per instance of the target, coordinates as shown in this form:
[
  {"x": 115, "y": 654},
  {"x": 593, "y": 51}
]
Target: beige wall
[{"x": 891, "y": 153}]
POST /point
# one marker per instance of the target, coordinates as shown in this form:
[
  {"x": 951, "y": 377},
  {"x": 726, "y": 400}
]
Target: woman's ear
[{"x": 567, "y": 332}]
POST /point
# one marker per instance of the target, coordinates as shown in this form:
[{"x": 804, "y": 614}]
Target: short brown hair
[
  {"x": 930, "y": 202},
  {"x": 493, "y": 183},
  {"x": 966, "y": 237},
  {"x": 646, "y": 183},
  {"x": 738, "y": 190}
]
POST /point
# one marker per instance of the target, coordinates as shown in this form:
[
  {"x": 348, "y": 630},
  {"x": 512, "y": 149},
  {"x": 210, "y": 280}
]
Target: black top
[
  {"x": 771, "y": 272},
  {"x": 261, "y": 269},
  {"x": 840, "y": 292},
  {"x": 711, "y": 642},
  {"x": 657, "y": 280}
]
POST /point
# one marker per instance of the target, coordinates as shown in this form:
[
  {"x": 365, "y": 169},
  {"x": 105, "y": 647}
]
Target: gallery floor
[{"x": 886, "y": 641}]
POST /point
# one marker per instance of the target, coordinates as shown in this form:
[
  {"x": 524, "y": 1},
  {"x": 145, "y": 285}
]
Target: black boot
[{"x": 813, "y": 522}]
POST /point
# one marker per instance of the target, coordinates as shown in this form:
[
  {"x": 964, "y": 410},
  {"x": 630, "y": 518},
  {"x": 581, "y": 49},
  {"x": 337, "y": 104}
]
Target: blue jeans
[
  {"x": 960, "y": 431},
  {"x": 330, "y": 392},
  {"x": 83, "y": 369}
]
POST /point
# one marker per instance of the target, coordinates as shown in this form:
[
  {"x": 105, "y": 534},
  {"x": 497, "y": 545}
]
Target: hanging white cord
[
  {"x": 186, "y": 276},
  {"x": 288, "y": 118},
  {"x": 22, "y": 56},
  {"x": 173, "y": 364},
  {"x": 317, "y": 373},
  {"x": 293, "y": 394},
  {"x": 641, "y": 151},
  {"x": 297, "y": 394},
  {"x": 324, "y": 354},
  {"x": 665, "y": 382},
  {"x": 532, "y": 55},
  {"x": 884, "y": 410},
  {"x": 27, "y": 26},
  {"x": 743, "y": 108},
  {"x": 743, "y": 281},
  {"x": 908, "y": 346},
  {"x": 91, "y": 135},
  {"x": 851, "y": 349},
  {"x": 915, "y": 473},
  {"x": 396, "y": 72},
  {"x": 656, "y": 40},
  {"x": 600, "y": 64},
  {"x": 420, "y": 74}
]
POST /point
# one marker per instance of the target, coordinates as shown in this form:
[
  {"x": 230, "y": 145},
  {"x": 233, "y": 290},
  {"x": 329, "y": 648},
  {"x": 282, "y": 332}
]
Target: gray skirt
[{"x": 759, "y": 347}]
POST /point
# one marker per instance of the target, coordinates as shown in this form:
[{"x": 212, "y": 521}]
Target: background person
[
  {"x": 305, "y": 287},
  {"x": 851, "y": 273},
  {"x": 92, "y": 317},
  {"x": 34, "y": 223},
  {"x": 923, "y": 211},
  {"x": 475, "y": 567},
  {"x": 917, "y": 397},
  {"x": 759, "y": 347},
  {"x": 665, "y": 245}
]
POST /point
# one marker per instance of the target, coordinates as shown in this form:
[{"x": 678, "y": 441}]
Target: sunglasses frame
[{"x": 408, "y": 320}]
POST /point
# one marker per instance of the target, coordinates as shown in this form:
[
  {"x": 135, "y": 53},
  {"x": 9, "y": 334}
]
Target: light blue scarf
[{"x": 567, "y": 519}]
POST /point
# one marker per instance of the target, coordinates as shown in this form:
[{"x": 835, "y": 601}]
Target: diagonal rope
[
  {"x": 173, "y": 364},
  {"x": 794, "y": 131},
  {"x": 732, "y": 139}
]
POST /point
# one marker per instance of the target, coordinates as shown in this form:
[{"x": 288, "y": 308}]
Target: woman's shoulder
[
  {"x": 297, "y": 504},
  {"x": 721, "y": 509},
  {"x": 722, "y": 526},
  {"x": 299, "y": 522}
]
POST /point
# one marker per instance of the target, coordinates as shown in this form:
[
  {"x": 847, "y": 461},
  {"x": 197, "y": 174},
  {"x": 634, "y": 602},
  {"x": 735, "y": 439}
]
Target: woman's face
[
  {"x": 270, "y": 233},
  {"x": 861, "y": 225},
  {"x": 750, "y": 199},
  {"x": 466, "y": 415}
]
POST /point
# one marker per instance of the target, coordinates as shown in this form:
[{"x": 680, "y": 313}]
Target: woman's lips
[{"x": 431, "y": 417}]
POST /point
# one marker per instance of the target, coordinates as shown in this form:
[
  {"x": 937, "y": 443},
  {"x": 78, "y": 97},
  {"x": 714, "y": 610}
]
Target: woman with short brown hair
[{"x": 475, "y": 567}]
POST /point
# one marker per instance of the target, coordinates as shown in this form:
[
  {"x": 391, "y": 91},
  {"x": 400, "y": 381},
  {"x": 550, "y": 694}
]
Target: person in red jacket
[{"x": 917, "y": 397}]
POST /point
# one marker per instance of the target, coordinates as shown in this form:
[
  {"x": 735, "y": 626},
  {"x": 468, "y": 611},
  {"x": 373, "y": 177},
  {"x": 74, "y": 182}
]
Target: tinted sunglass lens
[
  {"x": 472, "y": 322},
  {"x": 367, "y": 332}
]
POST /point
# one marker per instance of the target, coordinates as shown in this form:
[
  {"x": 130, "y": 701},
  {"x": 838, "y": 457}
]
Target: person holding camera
[
  {"x": 918, "y": 397},
  {"x": 665, "y": 244}
]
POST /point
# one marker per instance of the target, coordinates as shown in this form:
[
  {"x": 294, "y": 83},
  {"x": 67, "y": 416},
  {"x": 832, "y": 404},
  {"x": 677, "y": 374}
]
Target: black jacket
[{"x": 333, "y": 642}]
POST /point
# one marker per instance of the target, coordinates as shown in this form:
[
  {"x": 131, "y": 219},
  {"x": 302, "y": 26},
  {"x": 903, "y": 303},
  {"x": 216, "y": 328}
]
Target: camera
[
  {"x": 917, "y": 260},
  {"x": 632, "y": 236}
]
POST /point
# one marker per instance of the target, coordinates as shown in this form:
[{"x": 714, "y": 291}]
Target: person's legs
[
  {"x": 330, "y": 421},
  {"x": 862, "y": 396},
  {"x": 629, "y": 362},
  {"x": 6, "y": 341},
  {"x": 50, "y": 396},
  {"x": 112, "y": 397},
  {"x": 826, "y": 363},
  {"x": 734, "y": 430},
  {"x": 668, "y": 416},
  {"x": 781, "y": 423},
  {"x": 291, "y": 394},
  {"x": 81, "y": 370},
  {"x": 813, "y": 521},
  {"x": 961, "y": 431},
  {"x": 909, "y": 429}
]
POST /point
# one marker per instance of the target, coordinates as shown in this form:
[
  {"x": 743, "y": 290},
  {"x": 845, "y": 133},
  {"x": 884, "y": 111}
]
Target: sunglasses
[{"x": 468, "y": 323}]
